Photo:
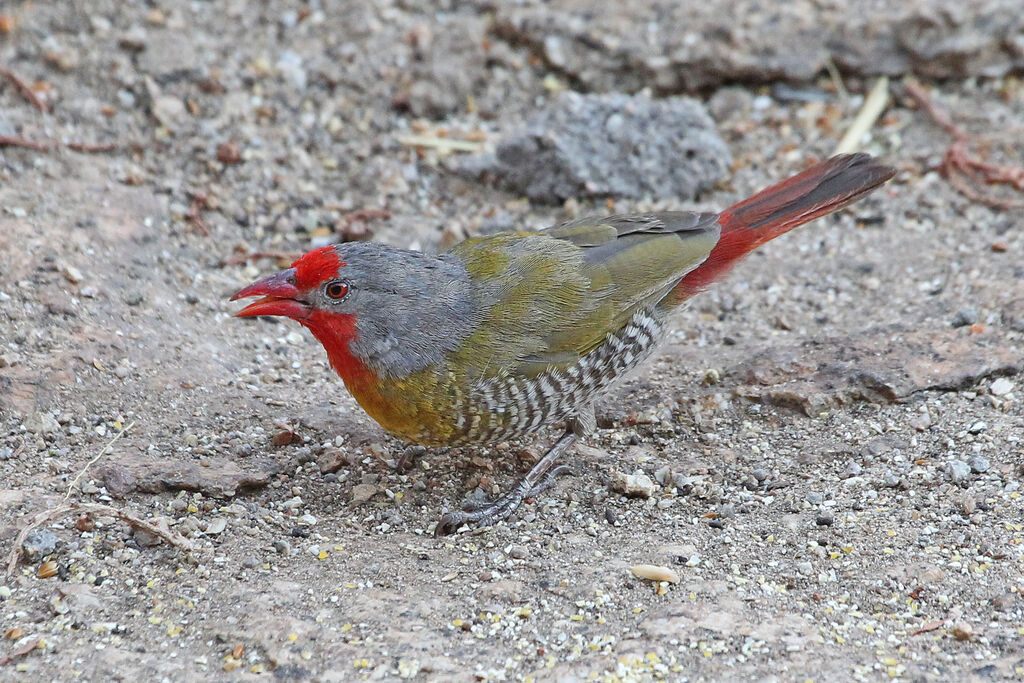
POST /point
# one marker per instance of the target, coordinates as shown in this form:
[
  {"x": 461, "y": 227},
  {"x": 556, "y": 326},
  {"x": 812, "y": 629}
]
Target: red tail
[{"x": 823, "y": 188}]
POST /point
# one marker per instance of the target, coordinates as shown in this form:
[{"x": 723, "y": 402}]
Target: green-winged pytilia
[{"x": 506, "y": 334}]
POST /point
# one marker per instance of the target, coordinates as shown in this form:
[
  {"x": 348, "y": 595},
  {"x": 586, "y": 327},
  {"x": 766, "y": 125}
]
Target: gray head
[{"x": 388, "y": 310}]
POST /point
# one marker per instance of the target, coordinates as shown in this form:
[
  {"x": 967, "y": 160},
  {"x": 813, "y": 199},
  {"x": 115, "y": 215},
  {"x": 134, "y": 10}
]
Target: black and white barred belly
[{"x": 510, "y": 407}]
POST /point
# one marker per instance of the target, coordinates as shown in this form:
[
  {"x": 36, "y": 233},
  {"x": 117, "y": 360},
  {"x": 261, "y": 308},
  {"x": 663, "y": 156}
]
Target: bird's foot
[
  {"x": 537, "y": 480},
  {"x": 481, "y": 514},
  {"x": 408, "y": 458}
]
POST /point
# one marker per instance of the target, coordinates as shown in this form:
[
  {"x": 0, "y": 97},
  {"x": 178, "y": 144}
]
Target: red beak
[{"x": 280, "y": 297}]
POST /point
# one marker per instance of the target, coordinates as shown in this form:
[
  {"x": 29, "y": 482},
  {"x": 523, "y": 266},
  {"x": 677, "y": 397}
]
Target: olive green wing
[
  {"x": 548, "y": 298},
  {"x": 632, "y": 261}
]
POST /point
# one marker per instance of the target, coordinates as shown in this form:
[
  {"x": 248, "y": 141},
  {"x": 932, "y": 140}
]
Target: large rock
[
  {"x": 610, "y": 145},
  {"x": 882, "y": 365},
  {"x": 676, "y": 46},
  {"x": 219, "y": 478}
]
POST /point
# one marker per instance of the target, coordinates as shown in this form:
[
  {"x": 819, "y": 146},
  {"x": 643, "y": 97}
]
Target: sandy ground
[{"x": 835, "y": 435}]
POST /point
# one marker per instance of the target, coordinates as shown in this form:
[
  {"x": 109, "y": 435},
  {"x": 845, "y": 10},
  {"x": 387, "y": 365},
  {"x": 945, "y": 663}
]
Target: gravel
[{"x": 735, "y": 422}]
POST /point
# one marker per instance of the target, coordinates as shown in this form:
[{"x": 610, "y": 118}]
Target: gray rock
[
  {"x": 684, "y": 46},
  {"x": 220, "y": 477},
  {"x": 824, "y": 519},
  {"x": 964, "y": 317},
  {"x": 978, "y": 464},
  {"x": 877, "y": 364},
  {"x": 42, "y": 423},
  {"x": 610, "y": 145},
  {"x": 518, "y": 552},
  {"x": 958, "y": 471},
  {"x": 39, "y": 543}
]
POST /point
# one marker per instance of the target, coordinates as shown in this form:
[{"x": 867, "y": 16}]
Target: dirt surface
[{"x": 832, "y": 440}]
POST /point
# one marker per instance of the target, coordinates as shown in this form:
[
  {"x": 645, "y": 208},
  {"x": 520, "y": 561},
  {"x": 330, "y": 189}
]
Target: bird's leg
[{"x": 540, "y": 477}]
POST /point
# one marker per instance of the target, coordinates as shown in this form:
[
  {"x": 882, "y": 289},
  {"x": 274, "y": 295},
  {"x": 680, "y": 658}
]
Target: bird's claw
[{"x": 480, "y": 514}]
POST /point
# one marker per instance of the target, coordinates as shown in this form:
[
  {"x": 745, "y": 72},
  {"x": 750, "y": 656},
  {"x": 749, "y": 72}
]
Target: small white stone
[
  {"x": 1001, "y": 387},
  {"x": 73, "y": 275},
  {"x": 216, "y": 526},
  {"x": 637, "y": 485}
]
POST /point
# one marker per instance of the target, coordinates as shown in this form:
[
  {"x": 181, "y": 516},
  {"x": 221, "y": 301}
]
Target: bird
[{"x": 506, "y": 334}]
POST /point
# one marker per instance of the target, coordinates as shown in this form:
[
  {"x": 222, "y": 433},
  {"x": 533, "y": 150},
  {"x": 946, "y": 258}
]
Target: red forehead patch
[{"x": 316, "y": 267}]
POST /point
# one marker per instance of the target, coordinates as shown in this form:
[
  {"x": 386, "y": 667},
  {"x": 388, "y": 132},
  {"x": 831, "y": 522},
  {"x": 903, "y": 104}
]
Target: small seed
[
  {"x": 47, "y": 569},
  {"x": 237, "y": 652},
  {"x": 14, "y": 633}
]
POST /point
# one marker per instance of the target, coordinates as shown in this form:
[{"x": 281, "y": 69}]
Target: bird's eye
[{"x": 337, "y": 290}]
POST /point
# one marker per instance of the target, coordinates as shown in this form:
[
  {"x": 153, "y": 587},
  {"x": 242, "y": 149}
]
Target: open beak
[{"x": 280, "y": 297}]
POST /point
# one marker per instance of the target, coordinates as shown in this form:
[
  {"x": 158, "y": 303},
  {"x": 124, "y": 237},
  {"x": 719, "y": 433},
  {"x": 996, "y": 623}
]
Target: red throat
[{"x": 334, "y": 332}]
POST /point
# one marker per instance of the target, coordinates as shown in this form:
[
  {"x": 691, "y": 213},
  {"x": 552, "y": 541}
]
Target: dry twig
[
  {"x": 25, "y": 90},
  {"x": 441, "y": 144},
  {"x": 195, "y": 214},
  {"x": 48, "y": 146},
  {"x": 874, "y": 104},
  {"x": 157, "y": 526},
  {"x": 92, "y": 462},
  {"x": 963, "y": 171}
]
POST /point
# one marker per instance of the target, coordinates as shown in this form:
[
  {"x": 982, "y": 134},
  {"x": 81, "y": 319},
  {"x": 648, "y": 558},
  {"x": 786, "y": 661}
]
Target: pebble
[
  {"x": 921, "y": 422},
  {"x": 824, "y": 519},
  {"x": 977, "y": 427},
  {"x": 653, "y": 572},
  {"x": 134, "y": 298},
  {"x": 72, "y": 274},
  {"x": 39, "y": 543},
  {"x": 42, "y": 423},
  {"x": 216, "y": 526},
  {"x": 958, "y": 471},
  {"x": 636, "y": 485},
  {"x": 282, "y": 547},
  {"x": 853, "y": 469},
  {"x": 251, "y": 562},
  {"x": 1001, "y": 387},
  {"x": 978, "y": 464},
  {"x": 361, "y": 493},
  {"x": 815, "y": 498},
  {"x": 965, "y": 317},
  {"x": 518, "y": 552},
  {"x": 5, "y": 592}
]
